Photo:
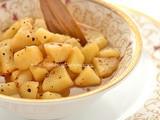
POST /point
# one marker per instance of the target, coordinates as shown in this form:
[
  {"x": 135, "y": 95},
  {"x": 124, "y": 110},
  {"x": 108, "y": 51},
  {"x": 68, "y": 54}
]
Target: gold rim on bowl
[{"x": 133, "y": 63}]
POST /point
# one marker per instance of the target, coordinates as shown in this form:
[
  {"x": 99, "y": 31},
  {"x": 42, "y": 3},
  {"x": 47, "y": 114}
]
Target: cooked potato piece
[
  {"x": 72, "y": 74},
  {"x": 40, "y": 23},
  {"x": 8, "y": 88},
  {"x": 74, "y": 42},
  {"x": 64, "y": 92},
  {"x": 43, "y": 35},
  {"x": 75, "y": 60},
  {"x": 27, "y": 22},
  {"x": 87, "y": 78},
  {"x": 59, "y": 38},
  {"x": 29, "y": 90},
  {"x": 48, "y": 64},
  {"x": 24, "y": 37},
  {"x": 41, "y": 47},
  {"x": 6, "y": 59},
  {"x": 57, "y": 80},
  {"x": 24, "y": 76},
  {"x": 13, "y": 76},
  {"x": 99, "y": 39},
  {"x": 109, "y": 52},
  {"x": 55, "y": 51},
  {"x": 89, "y": 52},
  {"x": 9, "y": 34},
  {"x": 39, "y": 73},
  {"x": 49, "y": 95},
  {"x": 28, "y": 57},
  {"x": 105, "y": 66}
]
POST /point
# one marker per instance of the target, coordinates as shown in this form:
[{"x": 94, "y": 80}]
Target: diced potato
[
  {"x": 13, "y": 76},
  {"x": 99, "y": 39},
  {"x": 29, "y": 90},
  {"x": 55, "y": 51},
  {"x": 24, "y": 76},
  {"x": 27, "y": 22},
  {"x": 105, "y": 66},
  {"x": 109, "y": 52},
  {"x": 28, "y": 57},
  {"x": 75, "y": 60},
  {"x": 40, "y": 23},
  {"x": 87, "y": 78},
  {"x": 72, "y": 74},
  {"x": 24, "y": 37},
  {"x": 64, "y": 92},
  {"x": 59, "y": 38},
  {"x": 6, "y": 59},
  {"x": 39, "y": 73},
  {"x": 10, "y": 33},
  {"x": 57, "y": 80},
  {"x": 43, "y": 35},
  {"x": 5, "y": 43},
  {"x": 49, "y": 95},
  {"x": 8, "y": 88},
  {"x": 48, "y": 64},
  {"x": 74, "y": 42},
  {"x": 89, "y": 52}
]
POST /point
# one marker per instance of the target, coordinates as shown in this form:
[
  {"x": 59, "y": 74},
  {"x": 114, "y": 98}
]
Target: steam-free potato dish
[{"x": 38, "y": 64}]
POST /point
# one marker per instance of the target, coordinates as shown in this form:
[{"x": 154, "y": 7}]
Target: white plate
[{"x": 124, "y": 100}]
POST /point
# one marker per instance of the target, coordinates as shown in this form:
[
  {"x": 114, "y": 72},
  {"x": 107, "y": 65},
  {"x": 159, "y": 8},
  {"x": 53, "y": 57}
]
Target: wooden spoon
[{"x": 59, "y": 20}]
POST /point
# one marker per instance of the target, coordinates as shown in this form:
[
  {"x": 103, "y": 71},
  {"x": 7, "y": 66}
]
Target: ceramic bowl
[{"x": 118, "y": 28}]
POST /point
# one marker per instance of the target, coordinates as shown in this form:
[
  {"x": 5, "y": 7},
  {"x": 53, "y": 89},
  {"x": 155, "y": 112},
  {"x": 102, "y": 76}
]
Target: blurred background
[{"x": 150, "y": 7}]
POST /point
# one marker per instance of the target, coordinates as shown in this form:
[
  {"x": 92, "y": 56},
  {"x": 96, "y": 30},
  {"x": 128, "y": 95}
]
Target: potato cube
[
  {"x": 74, "y": 42},
  {"x": 10, "y": 33},
  {"x": 105, "y": 66},
  {"x": 48, "y": 64},
  {"x": 39, "y": 73},
  {"x": 109, "y": 52},
  {"x": 43, "y": 35},
  {"x": 6, "y": 59},
  {"x": 24, "y": 76},
  {"x": 40, "y": 23},
  {"x": 89, "y": 52},
  {"x": 58, "y": 52},
  {"x": 65, "y": 92},
  {"x": 99, "y": 39},
  {"x": 28, "y": 57},
  {"x": 8, "y": 88},
  {"x": 72, "y": 74},
  {"x": 24, "y": 37},
  {"x": 75, "y": 60},
  {"x": 13, "y": 76},
  {"x": 49, "y": 95},
  {"x": 59, "y": 38},
  {"x": 27, "y": 22},
  {"x": 87, "y": 78},
  {"x": 29, "y": 90},
  {"x": 57, "y": 80}
]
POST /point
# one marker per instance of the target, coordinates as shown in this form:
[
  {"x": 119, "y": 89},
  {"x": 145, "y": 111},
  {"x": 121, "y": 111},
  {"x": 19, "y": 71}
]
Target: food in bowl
[{"x": 39, "y": 64}]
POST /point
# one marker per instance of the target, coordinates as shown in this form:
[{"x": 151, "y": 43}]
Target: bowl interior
[{"x": 105, "y": 20}]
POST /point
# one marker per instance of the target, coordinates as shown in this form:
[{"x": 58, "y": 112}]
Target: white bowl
[{"x": 120, "y": 31}]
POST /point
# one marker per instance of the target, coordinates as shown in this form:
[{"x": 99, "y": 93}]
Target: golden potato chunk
[
  {"x": 39, "y": 73},
  {"x": 40, "y": 23},
  {"x": 29, "y": 90},
  {"x": 98, "y": 38},
  {"x": 87, "y": 78},
  {"x": 72, "y": 74},
  {"x": 48, "y": 64},
  {"x": 28, "y": 57},
  {"x": 24, "y": 37},
  {"x": 89, "y": 52},
  {"x": 74, "y": 42},
  {"x": 65, "y": 92},
  {"x": 43, "y": 35},
  {"x": 75, "y": 60},
  {"x": 109, "y": 52},
  {"x": 57, "y": 80},
  {"x": 105, "y": 66},
  {"x": 55, "y": 51},
  {"x": 59, "y": 38},
  {"x": 49, "y": 95},
  {"x": 13, "y": 76},
  {"x": 24, "y": 76},
  {"x": 7, "y": 64},
  {"x": 8, "y": 88}
]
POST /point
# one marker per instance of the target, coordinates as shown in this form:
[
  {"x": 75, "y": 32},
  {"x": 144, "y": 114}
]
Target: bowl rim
[{"x": 135, "y": 59}]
